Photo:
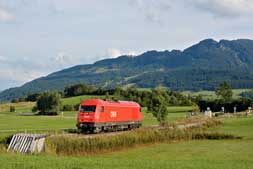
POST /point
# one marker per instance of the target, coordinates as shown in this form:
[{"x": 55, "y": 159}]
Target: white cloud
[
  {"x": 2, "y": 59},
  {"x": 19, "y": 75},
  {"x": 113, "y": 52},
  {"x": 158, "y": 10},
  {"x": 6, "y": 16},
  {"x": 153, "y": 10},
  {"x": 62, "y": 59},
  {"x": 132, "y": 53},
  {"x": 224, "y": 8}
]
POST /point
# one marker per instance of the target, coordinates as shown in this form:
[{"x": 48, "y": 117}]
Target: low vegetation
[
  {"x": 226, "y": 151},
  {"x": 224, "y": 101},
  {"x": 156, "y": 100},
  {"x": 231, "y": 106},
  {"x": 247, "y": 94},
  {"x": 64, "y": 145}
]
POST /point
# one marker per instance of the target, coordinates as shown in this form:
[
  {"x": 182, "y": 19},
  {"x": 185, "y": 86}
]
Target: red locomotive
[{"x": 97, "y": 115}]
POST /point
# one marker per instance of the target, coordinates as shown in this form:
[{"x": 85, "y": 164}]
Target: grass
[
  {"x": 66, "y": 145},
  {"x": 35, "y": 122},
  {"x": 195, "y": 154},
  {"x": 238, "y": 126},
  {"x": 189, "y": 155},
  {"x": 211, "y": 94},
  {"x": 22, "y": 107},
  {"x": 13, "y": 121},
  {"x": 78, "y": 99}
]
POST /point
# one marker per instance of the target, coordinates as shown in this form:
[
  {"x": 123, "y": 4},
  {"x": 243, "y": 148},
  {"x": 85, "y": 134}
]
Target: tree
[
  {"x": 224, "y": 91},
  {"x": 100, "y": 91},
  {"x": 49, "y": 103},
  {"x": 32, "y": 97},
  {"x": 117, "y": 91},
  {"x": 15, "y": 100},
  {"x": 91, "y": 89},
  {"x": 76, "y": 90},
  {"x": 158, "y": 106}
]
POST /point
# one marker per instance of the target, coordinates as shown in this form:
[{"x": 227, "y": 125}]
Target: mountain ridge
[{"x": 202, "y": 66}]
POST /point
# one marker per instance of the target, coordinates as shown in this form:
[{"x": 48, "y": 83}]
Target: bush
[
  {"x": 68, "y": 108},
  {"x": 12, "y": 109},
  {"x": 34, "y": 109},
  {"x": 14, "y": 100},
  {"x": 76, "y": 107},
  {"x": 241, "y": 104},
  {"x": 248, "y": 94},
  {"x": 21, "y": 99}
]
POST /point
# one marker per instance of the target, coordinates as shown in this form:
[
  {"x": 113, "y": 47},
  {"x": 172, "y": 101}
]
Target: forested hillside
[{"x": 200, "y": 67}]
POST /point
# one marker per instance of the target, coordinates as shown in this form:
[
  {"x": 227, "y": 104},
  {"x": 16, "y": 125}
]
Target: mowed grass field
[
  {"x": 211, "y": 94},
  {"x": 204, "y": 154},
  {"x": 201, "y": 154},
  {"x": 16, "y": 121}
]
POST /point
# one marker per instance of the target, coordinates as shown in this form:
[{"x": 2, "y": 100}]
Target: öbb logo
[{"x": 113, "y": 114}]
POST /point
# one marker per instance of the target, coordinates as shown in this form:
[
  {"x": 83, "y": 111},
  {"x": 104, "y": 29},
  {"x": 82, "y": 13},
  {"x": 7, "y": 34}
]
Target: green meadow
[
  {"x": 200, "y": 154},
  {"x": 211, "y": 94},
  {"x": 65, "y": 120},
  {"x": 194, "y": 154}
]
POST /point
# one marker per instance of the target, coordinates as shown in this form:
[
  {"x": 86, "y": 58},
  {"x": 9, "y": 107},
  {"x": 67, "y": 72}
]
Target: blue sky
[{"x": 38, "y": 37}]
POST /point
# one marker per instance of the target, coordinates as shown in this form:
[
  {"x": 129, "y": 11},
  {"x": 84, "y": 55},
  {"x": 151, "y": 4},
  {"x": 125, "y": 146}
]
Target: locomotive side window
[
  {"x": 88, "y": 109},
  {"x": 102, "y": 109}
]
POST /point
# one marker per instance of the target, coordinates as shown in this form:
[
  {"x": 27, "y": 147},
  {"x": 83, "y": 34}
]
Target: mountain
[{"x": 200, "y": 67}]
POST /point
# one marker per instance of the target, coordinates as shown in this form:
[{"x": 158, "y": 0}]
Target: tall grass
[
  {"x": 64, "y": 145},
  {"x": 4, "y": 141}
]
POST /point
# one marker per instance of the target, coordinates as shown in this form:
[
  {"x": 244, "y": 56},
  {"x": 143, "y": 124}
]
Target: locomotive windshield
[{"x": 87, "y": 109}]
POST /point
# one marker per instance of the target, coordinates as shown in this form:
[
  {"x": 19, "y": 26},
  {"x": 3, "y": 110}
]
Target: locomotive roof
[{"x": 112, "y": 102}]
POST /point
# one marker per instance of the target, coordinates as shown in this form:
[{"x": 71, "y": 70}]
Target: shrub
[
  {"x": 241, "y": 104},
  {"x": 248, "y": 94},
  {"x": 21, "y": 99},
  {"x": 34, "y": 109},
  {"x": 68, "y": 108},
  {"x": 76, "y": 107},
  {"x": 12, "y": 109},
  {"x": 14, "y": 100}
]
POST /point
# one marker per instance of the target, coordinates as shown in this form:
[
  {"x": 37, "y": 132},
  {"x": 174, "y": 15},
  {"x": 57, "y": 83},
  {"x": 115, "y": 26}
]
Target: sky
[{"x": 38, "y": 37}]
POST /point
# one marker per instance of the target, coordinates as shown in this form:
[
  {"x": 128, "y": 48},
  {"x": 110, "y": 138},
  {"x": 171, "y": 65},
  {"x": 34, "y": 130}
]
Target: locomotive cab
[{"x": 87, "y": 112}]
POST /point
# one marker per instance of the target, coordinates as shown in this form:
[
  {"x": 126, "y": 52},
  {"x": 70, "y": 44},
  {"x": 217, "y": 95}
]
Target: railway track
[{"x": 107, "y": 134}]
